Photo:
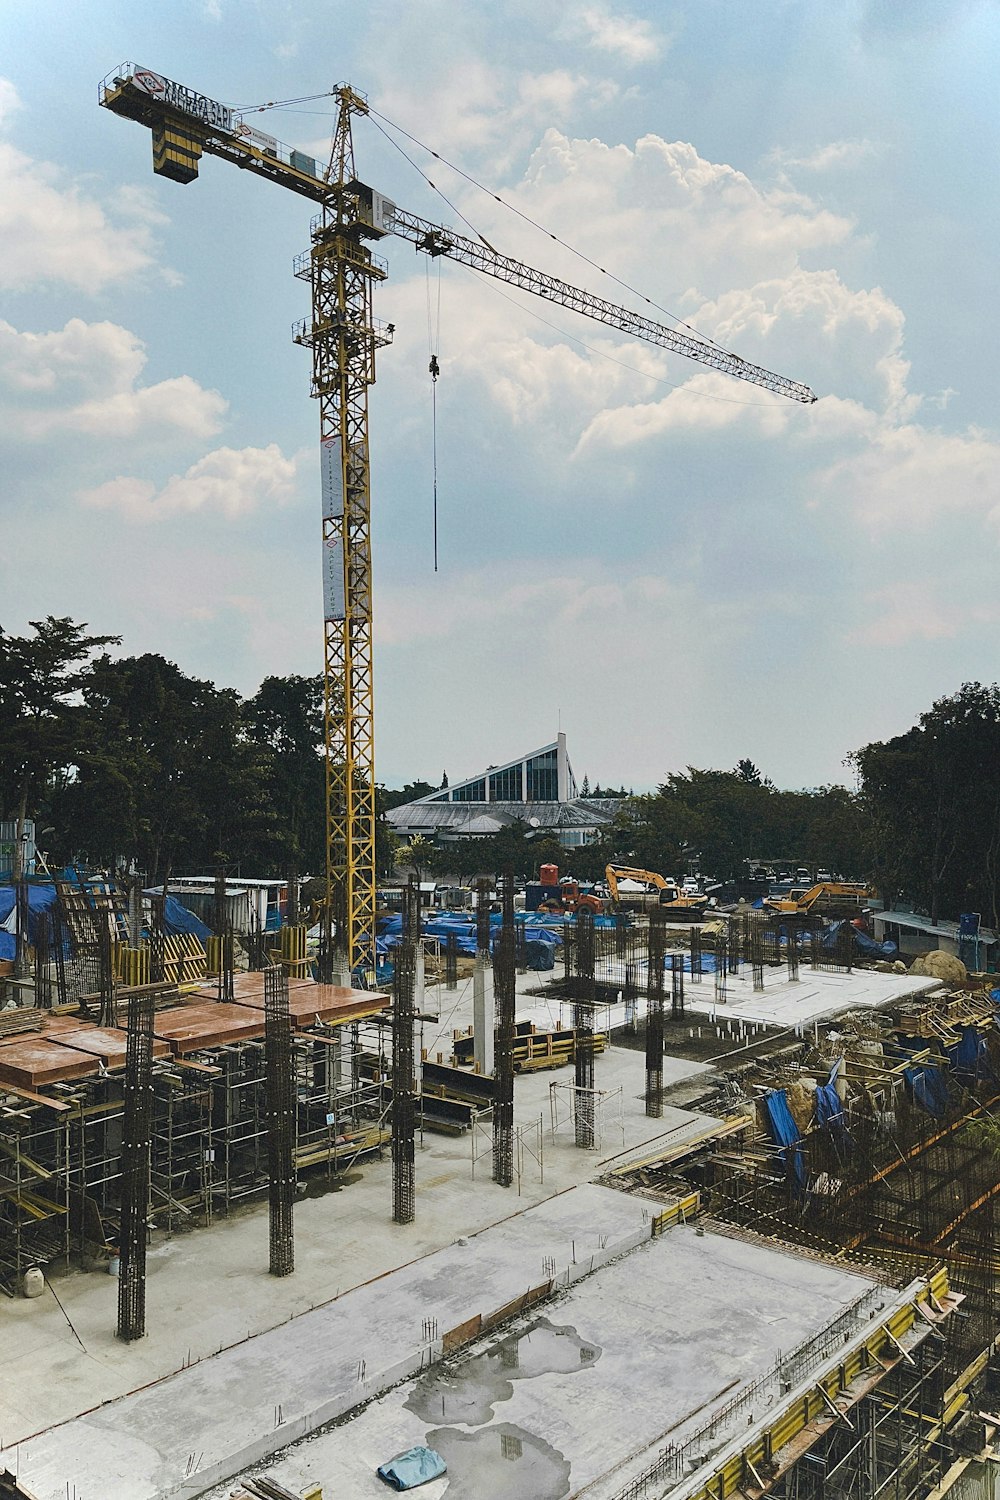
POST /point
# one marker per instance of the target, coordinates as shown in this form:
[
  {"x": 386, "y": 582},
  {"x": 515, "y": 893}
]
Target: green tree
[
  {"x": 931, "y": 800},
  {"x": 166, "y": 774},
  {"x": 285, "y": 719},
  {"x": 41, "y": 722}
]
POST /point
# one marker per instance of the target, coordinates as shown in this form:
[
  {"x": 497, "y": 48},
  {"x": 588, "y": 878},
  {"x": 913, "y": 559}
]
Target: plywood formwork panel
[
  {"x": 33, "y": 1061},
  {"x": 309, "y": 1002},
  {"x": 191, "y": 1028},
  {"x": 107, "y": 1043}
]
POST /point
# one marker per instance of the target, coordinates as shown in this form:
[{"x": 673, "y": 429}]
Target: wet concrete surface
[{"x": 469, "y": 1391}]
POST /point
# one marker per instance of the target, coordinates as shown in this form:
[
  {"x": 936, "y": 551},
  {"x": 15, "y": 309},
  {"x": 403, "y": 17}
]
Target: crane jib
[{"x": 433, "y": 240}]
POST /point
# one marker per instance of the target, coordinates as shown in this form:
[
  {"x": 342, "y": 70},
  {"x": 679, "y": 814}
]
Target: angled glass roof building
[{"x": 538, "y": 788}]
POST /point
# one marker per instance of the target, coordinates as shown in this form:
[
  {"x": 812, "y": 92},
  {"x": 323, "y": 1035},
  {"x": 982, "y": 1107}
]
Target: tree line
[{"x": 122, "y": 759}]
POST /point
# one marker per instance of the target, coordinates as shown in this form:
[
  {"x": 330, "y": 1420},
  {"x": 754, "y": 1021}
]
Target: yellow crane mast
[{"x": 343, "y": 336}]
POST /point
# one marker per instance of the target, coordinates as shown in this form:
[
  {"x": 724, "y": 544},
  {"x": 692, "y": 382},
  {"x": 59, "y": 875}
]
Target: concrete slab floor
[
  {"x": 579, "y": 1391},
  {"x": 209, "y": 1288},
  {"x": 233, "y": 1408}
]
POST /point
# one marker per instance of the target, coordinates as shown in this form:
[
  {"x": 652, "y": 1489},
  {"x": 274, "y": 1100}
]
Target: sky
[{"x": 674, "y": 567}]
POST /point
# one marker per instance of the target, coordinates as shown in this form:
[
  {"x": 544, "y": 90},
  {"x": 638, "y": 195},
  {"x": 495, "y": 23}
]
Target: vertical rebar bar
[
  {"x": 677, "y": 986},
  {"x": 280, "y": 1094},
  {"x": 504, "y": 983},
  {"x": 654, "y": 1018},
  {"x": 451, "y": 962},
  {"x": 105, "y": 972},
  {"x": 43, "y": 971},
  {"x": 583, "y": 1028},
  {"x": 696, "y": 955},
  {"x": 136, "y": 1126},
  {"x": 403, "y": 1101}
]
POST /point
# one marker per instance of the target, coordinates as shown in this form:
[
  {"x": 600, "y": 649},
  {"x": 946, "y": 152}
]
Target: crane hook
[{"x": 434, "y": 367}]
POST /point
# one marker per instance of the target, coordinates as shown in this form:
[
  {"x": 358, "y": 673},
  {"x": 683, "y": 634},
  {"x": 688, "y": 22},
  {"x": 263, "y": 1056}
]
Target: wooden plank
[{"x": 33, "y": 1098}]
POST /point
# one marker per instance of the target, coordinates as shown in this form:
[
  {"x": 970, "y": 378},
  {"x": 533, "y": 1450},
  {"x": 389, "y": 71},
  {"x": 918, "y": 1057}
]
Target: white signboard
[
  {"x": 332, "y": 476},
  {"x": 257, "y": 137},
  {"x": 209, "y": 111},
  {"x": 334, "y": 593}
]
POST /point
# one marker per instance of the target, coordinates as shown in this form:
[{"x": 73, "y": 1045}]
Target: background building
[{"x": 538, "y": 788}]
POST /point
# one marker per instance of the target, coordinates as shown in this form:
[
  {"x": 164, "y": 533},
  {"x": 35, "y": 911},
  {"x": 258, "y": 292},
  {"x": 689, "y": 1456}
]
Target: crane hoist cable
[
  {"x": 375, "y": 116},
  {"x": 434, "y": 369}
]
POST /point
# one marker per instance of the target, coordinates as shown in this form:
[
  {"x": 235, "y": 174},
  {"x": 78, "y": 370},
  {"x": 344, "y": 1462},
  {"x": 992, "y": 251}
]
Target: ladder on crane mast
[{"x": 343, "y": 336}]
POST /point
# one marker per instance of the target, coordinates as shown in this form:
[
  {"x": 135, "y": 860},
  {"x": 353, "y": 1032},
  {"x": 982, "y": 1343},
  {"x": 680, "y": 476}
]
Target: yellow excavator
[
  {"x": 828, "y": 898},
  {"x": 668, "y": 893}
]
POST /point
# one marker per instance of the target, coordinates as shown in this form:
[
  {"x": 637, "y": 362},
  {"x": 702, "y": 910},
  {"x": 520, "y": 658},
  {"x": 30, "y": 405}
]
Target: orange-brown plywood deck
[
  {"x": 31, "y": 1061},
  {"x": 190, "y": 1028},
  {"x": 106, "y": 1043},
  {"x": 309, "y": 1002}
]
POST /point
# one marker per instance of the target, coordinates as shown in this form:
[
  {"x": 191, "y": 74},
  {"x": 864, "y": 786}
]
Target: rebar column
[
  {"x": 696, "y": 955},
  {"x": 59, "y": 953},
  {"x": 503, "y": 1054},
  {"x": 324, "y": 956},
  {"x": 677, "y": 986},
  {"x": 654, "y": 1019},
  {"x": 105, "y": 972},
  {"x": 43, "y": 971},
  {"x": 280, "y": 1096},
  {"x": 137, "y": 1116},
  {"x": 721, "y": 970},
  {"x": 451, "y": 962},
  {"x": 22, "y": 929},
  {"x": 403, "y": 1101},
  {"x": 792, "y": 930},
  {"x": 583, "y": 1029}
]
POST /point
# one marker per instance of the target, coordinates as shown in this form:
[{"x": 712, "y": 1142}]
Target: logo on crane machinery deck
[{"x": 209, "y": 111}]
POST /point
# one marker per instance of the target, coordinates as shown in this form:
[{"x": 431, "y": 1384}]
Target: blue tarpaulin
[
  {"x": 41, "y": 898},
  {"x": 177, "y": 919},
  {"x": 785, "y": 1131},
  {"x": 414, "y": 1467},
  {"x": 829, "y": 1110},
  {"x": 969, "y": 1058},
  {"x": 929, "y": 1089},
  {"x": 865, "y": 945}
]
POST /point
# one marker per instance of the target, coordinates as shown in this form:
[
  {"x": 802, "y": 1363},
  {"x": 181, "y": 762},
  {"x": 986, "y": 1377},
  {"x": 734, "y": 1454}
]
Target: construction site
[{"x": 702, "y": 1207}]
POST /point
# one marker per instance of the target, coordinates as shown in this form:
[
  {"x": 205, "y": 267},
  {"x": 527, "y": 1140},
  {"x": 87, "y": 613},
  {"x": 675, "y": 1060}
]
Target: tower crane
[{"x": 343, "y": 336}]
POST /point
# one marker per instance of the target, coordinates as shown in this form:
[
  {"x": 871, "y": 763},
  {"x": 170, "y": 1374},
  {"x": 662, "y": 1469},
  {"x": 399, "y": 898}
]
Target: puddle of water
[
  {"x": 468, "y": 1391},
  {"x": 504, "y": 1462}
]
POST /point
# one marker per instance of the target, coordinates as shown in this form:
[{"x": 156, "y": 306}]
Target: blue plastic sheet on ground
[
  {"x": 785, "y": 1131},
  {"x": 541, "y": 928},
  {"x": 414, "y": 1467},
  {"x": 929, "y": 1089}
]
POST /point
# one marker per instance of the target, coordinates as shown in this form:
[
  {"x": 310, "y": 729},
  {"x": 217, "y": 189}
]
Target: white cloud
[
  {"x": 231, "y": 482},
  {"x": 626, "y": 37},
  {"x": 51, "y": 231},
  {"x": 832, "y": 156},
  {"x": 84, "y": 378},
  {"x": 10, "y": 101},
  {"x": 910, "y": 477}
]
